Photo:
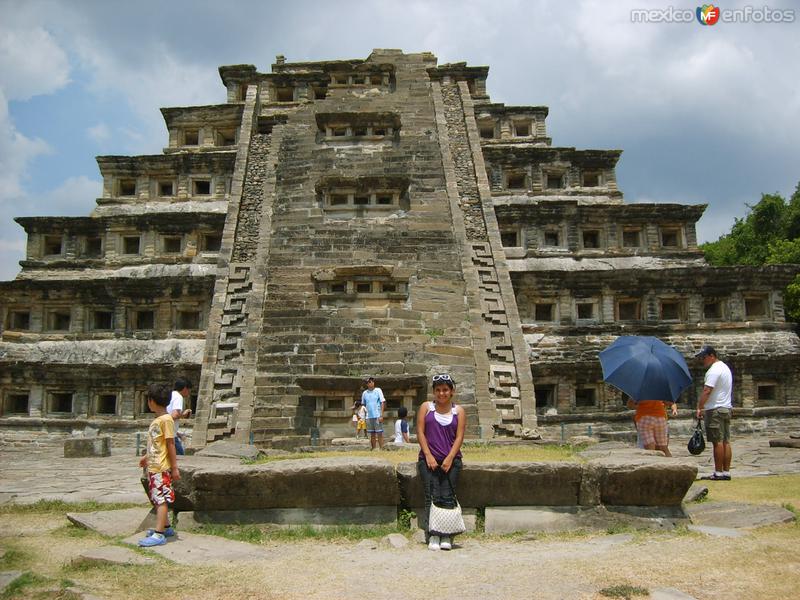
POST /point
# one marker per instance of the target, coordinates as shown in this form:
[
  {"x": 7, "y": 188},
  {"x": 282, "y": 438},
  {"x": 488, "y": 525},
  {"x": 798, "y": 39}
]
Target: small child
[
  {"x": 401, "y": 427},
  {"x": 354, "y": 409},
  {"x": 162, "y": 464},
  {"x": 362, "y": 420}
]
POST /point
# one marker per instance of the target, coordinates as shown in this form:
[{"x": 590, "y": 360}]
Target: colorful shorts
[
  {"x": 652, "y": 431},
  {"x": 362, "y": 425},
  {"x": 374, "y": 426},
  {"x": 160, "y": 487}
]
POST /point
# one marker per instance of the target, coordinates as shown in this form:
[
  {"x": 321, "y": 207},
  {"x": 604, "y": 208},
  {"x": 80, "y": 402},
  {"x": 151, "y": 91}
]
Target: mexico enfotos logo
[{"x": 710, "y": 14}]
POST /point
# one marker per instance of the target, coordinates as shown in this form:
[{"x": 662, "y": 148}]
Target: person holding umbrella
[
  {"x": 652, "y": 373},
  {"x": 714, "y": 407},
  {"x": 651, "y": 423}
]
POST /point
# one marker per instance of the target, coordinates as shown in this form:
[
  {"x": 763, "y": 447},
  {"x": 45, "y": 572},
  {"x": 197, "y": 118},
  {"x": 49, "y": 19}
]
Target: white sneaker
[
  {"x": 445, "y": 544},
  {"x": 433, "y": 542}
]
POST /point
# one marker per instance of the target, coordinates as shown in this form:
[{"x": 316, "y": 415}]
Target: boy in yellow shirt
[{"x": 161, "y": 462}]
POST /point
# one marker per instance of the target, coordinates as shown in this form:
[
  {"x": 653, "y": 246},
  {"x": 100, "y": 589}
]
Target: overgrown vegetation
[
  {"x": 768, "y": 234},
  {"x": 625, "y": 591},
  {"x": 22, "y": 583},
  {"x": 59, "y": 506},
  {"x": 13, "y": 559},
  {"x": 434, "y": 333},
  {"x": 261, "y": 534},
  {"x": 404, "y": 518}
]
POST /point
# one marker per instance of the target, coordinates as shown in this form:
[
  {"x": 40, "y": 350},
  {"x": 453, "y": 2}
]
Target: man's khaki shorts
[{"x": 718, "y": 425}]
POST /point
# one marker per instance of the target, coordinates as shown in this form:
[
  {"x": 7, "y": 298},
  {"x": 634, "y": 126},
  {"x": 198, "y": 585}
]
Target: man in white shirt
[
  {"x": 175, "y": 408},
  {"x": 716, "y": 402}
]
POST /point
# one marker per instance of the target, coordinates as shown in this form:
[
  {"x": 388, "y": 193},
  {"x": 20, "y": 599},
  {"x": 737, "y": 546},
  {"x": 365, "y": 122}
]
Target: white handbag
[{"x": 446, "y": 521}]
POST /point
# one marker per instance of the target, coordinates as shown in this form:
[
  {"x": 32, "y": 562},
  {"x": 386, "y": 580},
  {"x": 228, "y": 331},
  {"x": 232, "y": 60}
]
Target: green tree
[{"x": 768, "y": 234}]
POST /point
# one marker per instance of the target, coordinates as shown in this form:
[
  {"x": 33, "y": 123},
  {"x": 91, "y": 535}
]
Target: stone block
[
  {"x": 111, "y": 522},
  {"x": 785, "y": 443},
  {"x": 725, "y": 532},
  {"x": 86, "y": 447},
  {"x": 307, "y": 483},
  {"x": 196, "y": 550},
  {"x": 589, "y": 494},
  {"x": 7, "y": 578},
  {"x": 226, "y": 449},
  {"x": 503, "y": 484},
  {"x": 644, "y": 481},
  {"x": 546, "y": 519},
  {"x": 738, "y": 515},
  {"x": 111, "y": 555},
  {"x": 395, "y": 540}
]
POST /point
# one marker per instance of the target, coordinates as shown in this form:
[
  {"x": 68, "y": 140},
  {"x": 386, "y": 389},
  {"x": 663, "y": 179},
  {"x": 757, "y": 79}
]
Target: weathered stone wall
[
  {"x": 51, "y": 387},
  {"x": 566, "y": 220},
  {"x": 310, "y": 341},
  {"x": 468, "y": 197},
  {"x": 19, "y": 433},
  {"x": 635, "y": 480},
  {"x": 507, "y": 408},
  {"x": 224, "y": 361}
]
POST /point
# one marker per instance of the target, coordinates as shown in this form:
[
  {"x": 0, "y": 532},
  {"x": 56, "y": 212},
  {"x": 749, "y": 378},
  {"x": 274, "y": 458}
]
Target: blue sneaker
[
  {"x": 168, "y": 532},
  {"x": 156, "y": 539}
]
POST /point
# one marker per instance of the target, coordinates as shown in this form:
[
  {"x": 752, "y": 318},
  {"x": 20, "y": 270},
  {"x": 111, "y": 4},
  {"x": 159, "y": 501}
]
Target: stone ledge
[
  {"x": 312, "y": 483},
  {"x": 324, "y": 490}
]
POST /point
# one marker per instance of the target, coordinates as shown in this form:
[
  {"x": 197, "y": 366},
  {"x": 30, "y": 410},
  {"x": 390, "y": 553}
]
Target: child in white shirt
[{"x": 401, "y": 427}]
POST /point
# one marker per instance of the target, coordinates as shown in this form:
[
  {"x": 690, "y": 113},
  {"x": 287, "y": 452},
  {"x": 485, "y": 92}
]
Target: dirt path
[{"x": 762, "y": 564}]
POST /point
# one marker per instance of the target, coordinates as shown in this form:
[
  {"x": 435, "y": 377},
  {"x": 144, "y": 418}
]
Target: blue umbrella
[{"x": 645, "y": 368}]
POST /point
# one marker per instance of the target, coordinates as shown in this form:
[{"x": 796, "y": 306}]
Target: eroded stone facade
[{"x": 339, "y": 219}]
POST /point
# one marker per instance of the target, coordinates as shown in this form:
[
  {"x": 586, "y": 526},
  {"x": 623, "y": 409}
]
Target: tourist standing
[
  {"x": 372, "y": 399},
  {"x": 652, "y": 430},
  {"x": 440, "y": 431},
  {"x": 401, "y": 427},
  {"x": 162, "y": 464},
  {"x": 362, "y": 420},
  {"x": 354, "y": 410},
  {"x": 180, "y": 394},
  {"x": 715, "y": 407}
]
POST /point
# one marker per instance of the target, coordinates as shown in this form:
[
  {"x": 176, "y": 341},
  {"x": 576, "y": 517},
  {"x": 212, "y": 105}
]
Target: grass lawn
[{"x": 783, "y": 490}]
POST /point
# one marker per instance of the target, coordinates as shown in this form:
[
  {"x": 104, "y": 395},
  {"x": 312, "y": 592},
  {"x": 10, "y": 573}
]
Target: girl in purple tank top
[{"x": 440, "y": 431}]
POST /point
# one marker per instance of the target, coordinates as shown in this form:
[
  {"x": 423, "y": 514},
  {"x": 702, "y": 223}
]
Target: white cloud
[
  {"x": 74, "y": 197},
  {"x": 157, "y": 79},
  {"x": 16, "y": 152},
  {"x": 31, "y": 62},
  {"x": 99, "y": 133}
]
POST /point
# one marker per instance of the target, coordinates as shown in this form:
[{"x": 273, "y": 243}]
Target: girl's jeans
[{"x": 438, "y": 485}]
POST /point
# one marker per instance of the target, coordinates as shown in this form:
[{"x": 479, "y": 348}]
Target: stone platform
[{"x": 350, "y": 489}]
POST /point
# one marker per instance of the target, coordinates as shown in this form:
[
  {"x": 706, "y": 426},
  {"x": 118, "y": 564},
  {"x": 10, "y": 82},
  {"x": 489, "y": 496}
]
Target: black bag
[{"x": 697, "y": 443}]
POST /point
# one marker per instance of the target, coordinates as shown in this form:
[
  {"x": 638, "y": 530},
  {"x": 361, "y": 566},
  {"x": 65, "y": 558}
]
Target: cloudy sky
[{"x": 704, "y": 114}]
